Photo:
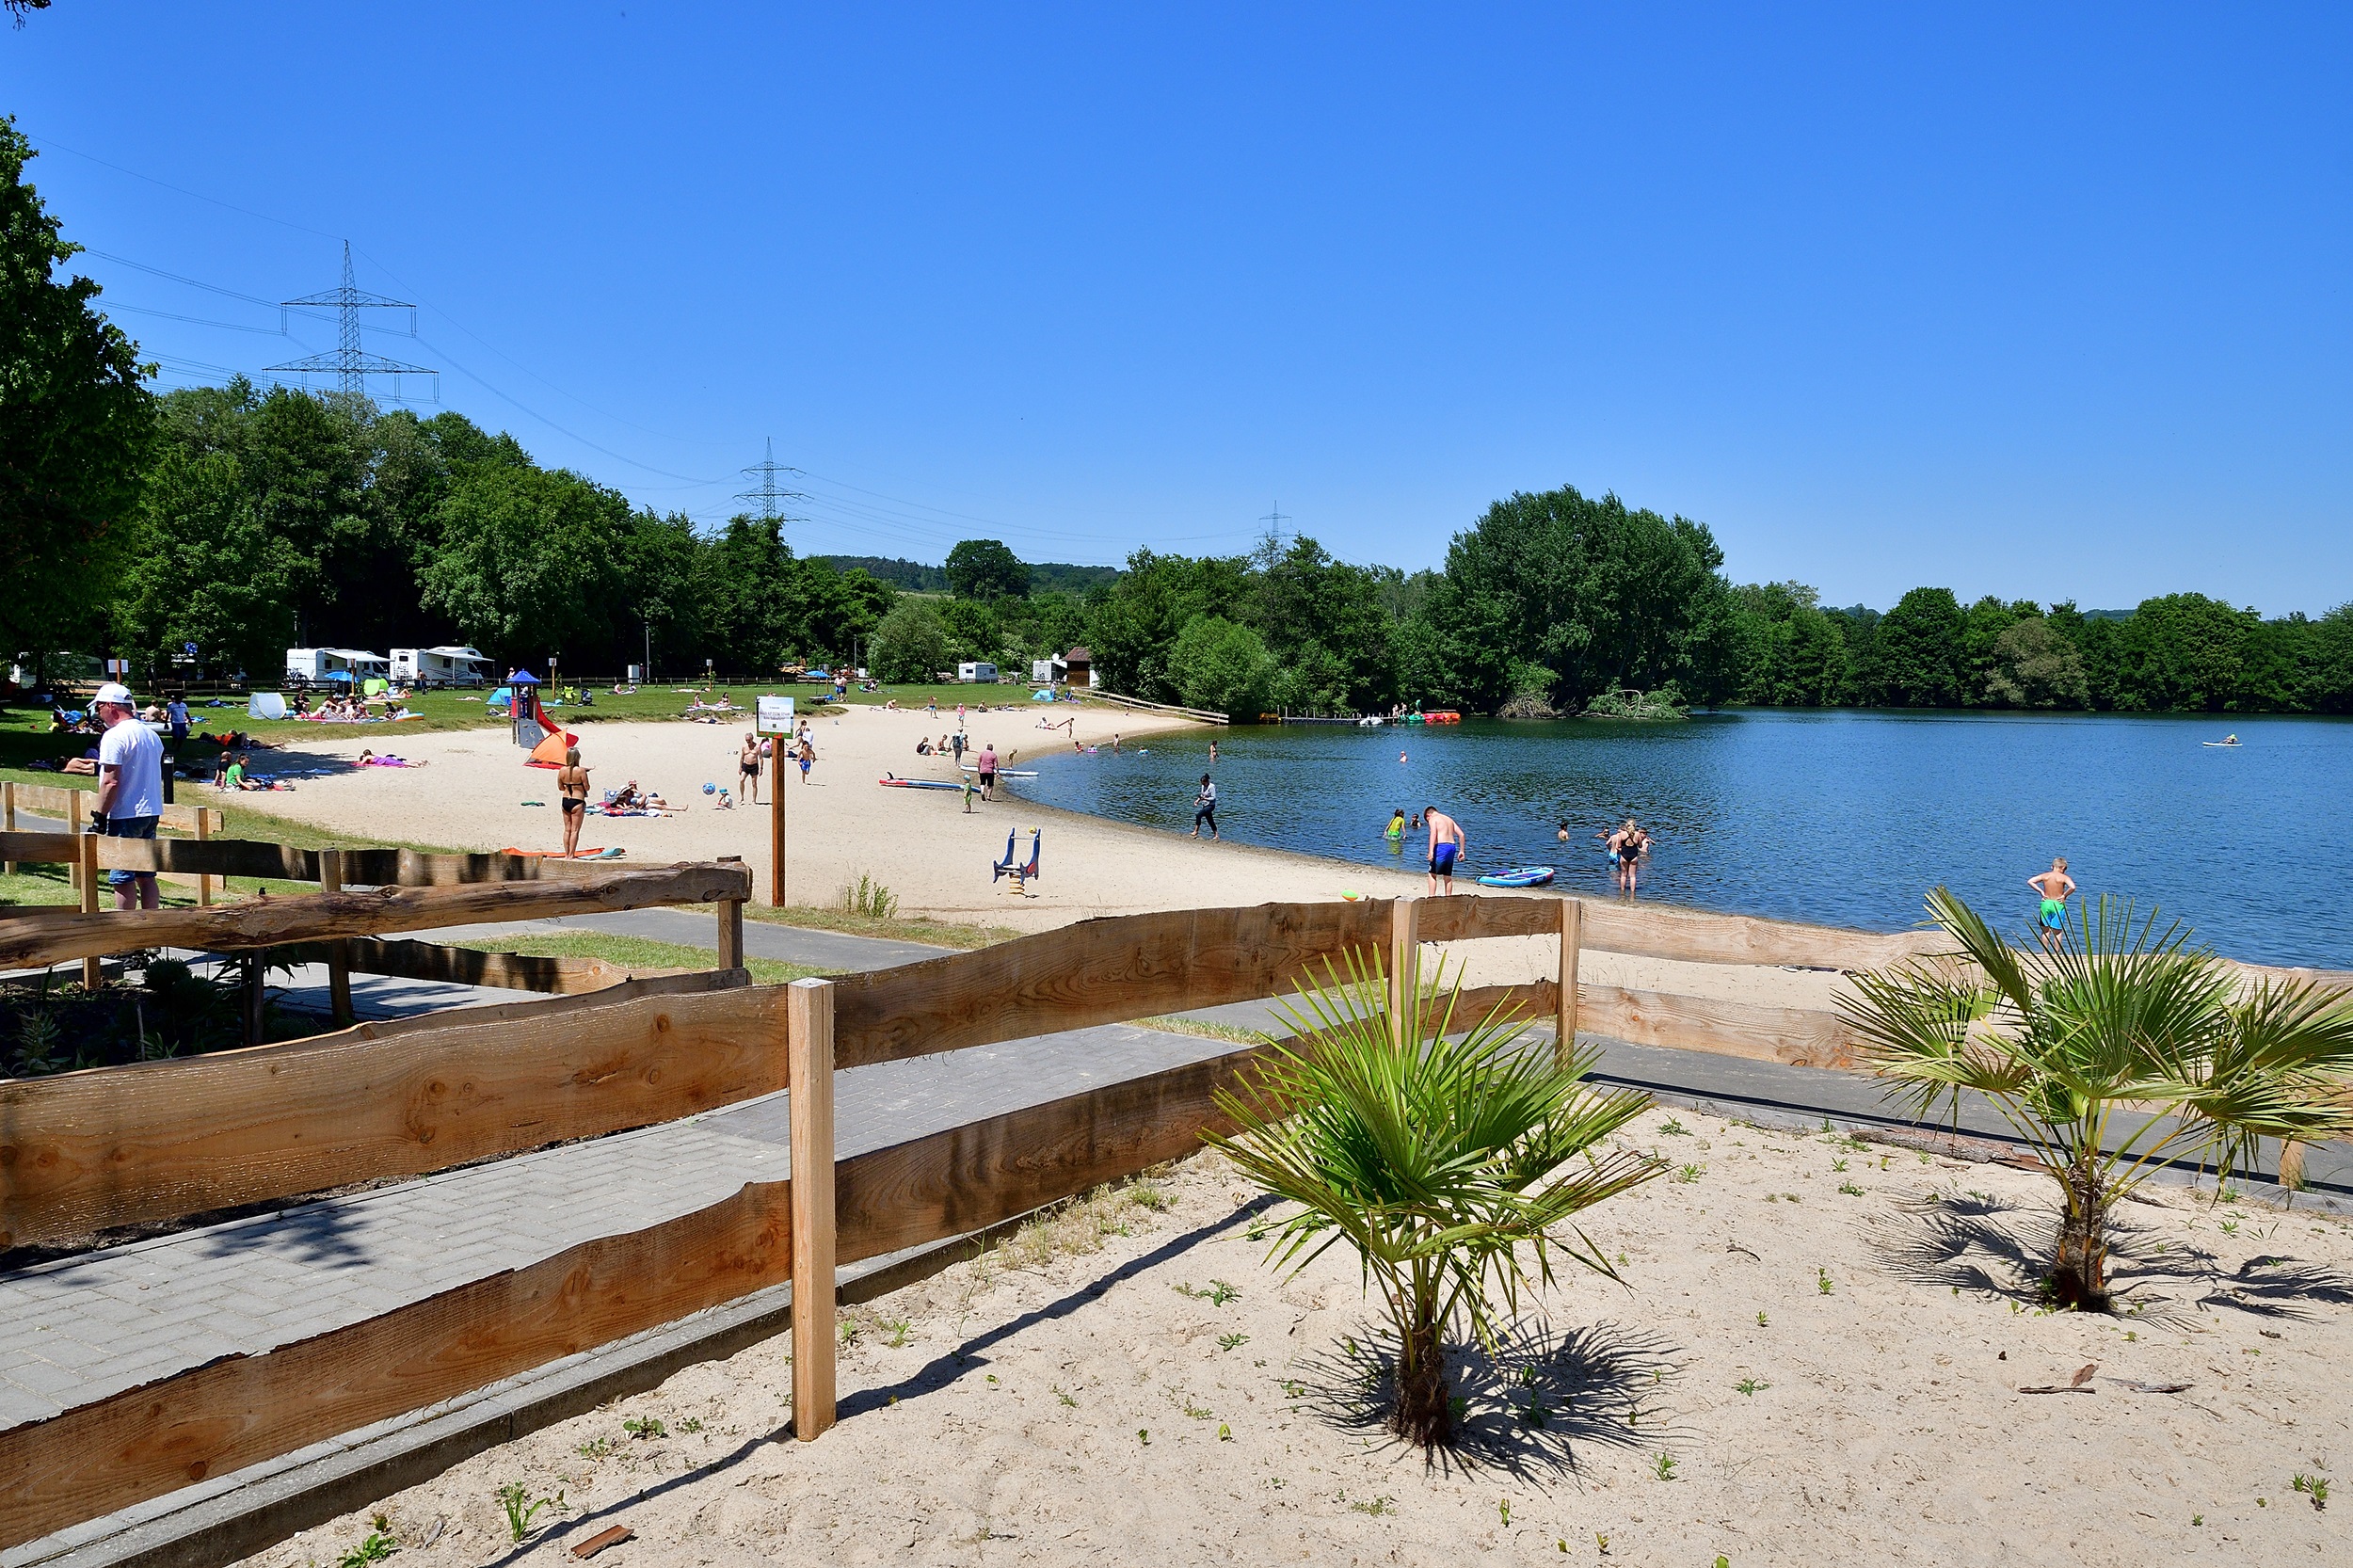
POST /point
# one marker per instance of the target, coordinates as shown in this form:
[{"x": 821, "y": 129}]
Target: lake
[{"x": 1839, "y": 818}]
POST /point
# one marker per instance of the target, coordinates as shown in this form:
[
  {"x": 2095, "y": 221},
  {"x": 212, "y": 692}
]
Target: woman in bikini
[
  {"x": 2057, "y": 887},
  {"x": 572, "y": 781}
]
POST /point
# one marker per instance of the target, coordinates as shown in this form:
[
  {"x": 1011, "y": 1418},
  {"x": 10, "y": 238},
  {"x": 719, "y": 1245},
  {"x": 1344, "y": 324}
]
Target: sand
[
  {"x": 1093, "y": 1406},
  {"x": 921, "y": 843}
]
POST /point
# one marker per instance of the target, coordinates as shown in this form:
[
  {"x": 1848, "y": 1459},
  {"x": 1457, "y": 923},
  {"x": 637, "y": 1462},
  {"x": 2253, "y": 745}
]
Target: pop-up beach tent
[
  {"x": 549, "y": 752},
  {"x": 265, "y": 705}
]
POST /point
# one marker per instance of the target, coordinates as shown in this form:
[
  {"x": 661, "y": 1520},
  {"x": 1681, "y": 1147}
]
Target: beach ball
[{"x": 709, "y": 789}]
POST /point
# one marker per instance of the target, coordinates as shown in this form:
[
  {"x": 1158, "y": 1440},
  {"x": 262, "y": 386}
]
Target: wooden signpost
[{"x": 773, "y": 719}]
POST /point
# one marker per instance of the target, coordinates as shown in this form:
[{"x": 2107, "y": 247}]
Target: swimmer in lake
[{"x": 2055, "y": 887}]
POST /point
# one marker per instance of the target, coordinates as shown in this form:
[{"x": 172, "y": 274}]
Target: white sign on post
[{"x": 775, "y": 715}]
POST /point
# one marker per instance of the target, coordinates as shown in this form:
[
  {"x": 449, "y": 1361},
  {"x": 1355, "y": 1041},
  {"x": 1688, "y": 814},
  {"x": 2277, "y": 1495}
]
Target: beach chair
[{"x": 1022, "y": 874}]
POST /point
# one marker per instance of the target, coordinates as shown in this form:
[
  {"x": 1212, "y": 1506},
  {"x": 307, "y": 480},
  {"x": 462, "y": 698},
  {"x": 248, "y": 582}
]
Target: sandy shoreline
[
  {"x": 921, "y": 843},
  {"x": 1096, "y": 1405}
]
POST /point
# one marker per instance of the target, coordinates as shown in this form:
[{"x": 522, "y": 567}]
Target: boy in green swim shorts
[{"x": 2057, "y": 887}]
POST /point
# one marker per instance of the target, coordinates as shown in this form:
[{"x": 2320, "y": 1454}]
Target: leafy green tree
[
  {"x": 530, "y": 563},
  {"x": 1221, "y": 666},
  {"x": 2332, "y": 661},
  {"x": 747, "y": 608},
  {"x": 76, "y": 421},
  {"x": 1329, "y": 629},
  {"x": 911, "y": 646},
  {"x": 204, "y": 571},
  {"x": 2117, "y": 1051},
  {"x": 972, "y": 629},
  {"x": 1982, "y": 625},
  {"x": 987, "y": 569},
  {"x": 1134, "y": 625},
  {"x": 2183, "y": 652},
  {"x": 2034, "y": 666},
  {"x": 1918, "y": 656}
]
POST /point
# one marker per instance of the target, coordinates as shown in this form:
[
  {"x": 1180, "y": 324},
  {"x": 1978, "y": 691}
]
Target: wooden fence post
[
  {"x": 1572, "y": 940},
  {"x": 776, "y": 822},
  {"x": 86, "y": 865},
  {"x": 8, "y": 820},
  {"x": 1404, "y": 971},
  {"x": 338, "y": 954},
  {"x": 732, "y": 925},
  {"x": 74, "y": 825},
  {"x": 204, "y": 883},
  {"x": 809, "y": 1079},
  {"x": 2291, "y": 1167}
]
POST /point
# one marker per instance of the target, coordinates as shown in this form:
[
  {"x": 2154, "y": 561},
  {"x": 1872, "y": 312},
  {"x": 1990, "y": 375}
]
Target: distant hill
[{"x": 1045, "y": 576}]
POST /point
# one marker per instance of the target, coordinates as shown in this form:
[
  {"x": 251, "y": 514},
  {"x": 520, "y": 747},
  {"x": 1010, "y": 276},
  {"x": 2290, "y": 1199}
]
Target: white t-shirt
[{"x": 136, "y": 755}]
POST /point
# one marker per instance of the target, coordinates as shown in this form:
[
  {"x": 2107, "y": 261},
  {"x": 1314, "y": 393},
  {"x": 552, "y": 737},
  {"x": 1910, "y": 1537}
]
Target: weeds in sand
[
  {"x": 2314, "y": 1487},
  {"x": 1218, "y": 1294},
  {"x": 1821, "y": 1282},
  {"x": 1837, "y": 1164},
  {"x": 1673, "y": 1129},
  {"x": 596, "y": 1447},
  {"x": 1760, "y": 1319},
  {"x": 379, "y": 1545},
  {"x": 1599, "y": 1540},
  {"x": 869, "y": 898},
  {"x": 1294, "y": 1389},
  {"x": 692, "y": 1424},
  {"x": 646, "y": 1428},
  {"x": 899, "y": 1328},
  {"x": 1144, "y": 1195},
  {"x": 1062, "y": 1397},
  {"x": 1194, "y": 1412},
  {"x": 1850, "y": 1189},
  {"x": 1225, "y": 1433},
  {"x": 1689, "y": 1174},
  {"x": 1503, "y": 1506},
  {"x": 1663, "y": 1467},
  {"x": 522, "y": 1508},
  {"x": 1751, "y": 1387},
  {"x": 2196, "y": 1518},
  {"x": 1232, "y": 1341},
  {"x": 1374, "y": 1506},
  {"x": 2230, "y": 1227},
  {"x": 1143, "y": 1436}
]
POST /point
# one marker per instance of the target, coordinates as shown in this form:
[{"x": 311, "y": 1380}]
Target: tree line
[{"x": 247, "y": 520}]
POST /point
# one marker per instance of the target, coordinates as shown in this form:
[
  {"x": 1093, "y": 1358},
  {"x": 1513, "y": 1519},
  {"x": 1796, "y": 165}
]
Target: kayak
[
  {"x": 1518, "y": 877},
  {"x": 919, "y": 784}
]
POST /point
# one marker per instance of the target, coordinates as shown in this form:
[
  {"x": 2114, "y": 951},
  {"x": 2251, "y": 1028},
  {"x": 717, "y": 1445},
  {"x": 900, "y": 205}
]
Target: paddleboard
[
  {"x": 917, "y": 784},
  {"x": 558, "y": 855},
  {"x": 2223, "y": 746},
  {"x": 1003, "y": 773},
  {"x": 1518, "y": 877}
]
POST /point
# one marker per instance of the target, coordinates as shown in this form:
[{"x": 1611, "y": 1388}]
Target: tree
[
  {"x": 2033, "y": 667},
  {"x": 2121, "y": 1050},
  {"x": 1221, "y": 666},
  {"x": 530, "y": 565},
  {"x": 204, "y": 571},
  {"x": 1437, "y": 1164},
  {"x": 1917, "y": 658},
  {"x": 2332, "y": 661},
  {"x": 910, "y": 646},
  {"x": 2183, "y": 652},
  {"x": 76, "y": 421},
  {"x": 986, "y": 569}
]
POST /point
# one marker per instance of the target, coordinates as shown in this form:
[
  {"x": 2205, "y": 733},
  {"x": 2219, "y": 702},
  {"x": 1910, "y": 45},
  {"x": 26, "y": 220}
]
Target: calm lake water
[{"x": 1842, "y": 818}]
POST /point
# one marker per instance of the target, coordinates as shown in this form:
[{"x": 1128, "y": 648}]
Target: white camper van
[
  {"x": 983, "y": 673},
  {"x": 319, "y": 666},
  {"x": 431, "y": 667}
]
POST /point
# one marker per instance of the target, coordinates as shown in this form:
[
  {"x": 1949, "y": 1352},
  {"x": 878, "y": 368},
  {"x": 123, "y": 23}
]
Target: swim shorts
[
  {"x": 2054, "y": 914},
  {"x": 1442, "y": 859},
  {"x": 127, "y": 827}
]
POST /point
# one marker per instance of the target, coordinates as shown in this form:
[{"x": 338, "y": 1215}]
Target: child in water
[{"x": 1397, "y": 825}]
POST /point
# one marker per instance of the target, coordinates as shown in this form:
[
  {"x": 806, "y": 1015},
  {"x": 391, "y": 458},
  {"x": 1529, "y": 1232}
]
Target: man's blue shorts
[
  {"x": 128, "y": 827},
  {"x": 1442, "y": 859}
]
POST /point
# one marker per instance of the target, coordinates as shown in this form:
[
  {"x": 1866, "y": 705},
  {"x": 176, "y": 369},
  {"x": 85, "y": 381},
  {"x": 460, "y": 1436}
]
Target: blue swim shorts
[{"x": 1442, "y": 859}]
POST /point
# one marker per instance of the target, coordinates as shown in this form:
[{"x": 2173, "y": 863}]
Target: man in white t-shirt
[{"x": 130, "y": 788}]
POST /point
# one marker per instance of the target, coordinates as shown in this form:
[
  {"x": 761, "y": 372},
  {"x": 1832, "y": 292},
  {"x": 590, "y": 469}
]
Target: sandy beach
[
  {"x": 921, "y": 843},
  {"x": 1815, "y": 1359}
]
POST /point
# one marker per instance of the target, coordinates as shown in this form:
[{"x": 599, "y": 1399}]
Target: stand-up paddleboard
[
  {"x": 1007, "y": 773},
  {"x": 917, "y": 784},
  {"x": 576, "y": 854},
  {"x": 1518, "y": 877},
  {"x": 2223, "y": 746}
]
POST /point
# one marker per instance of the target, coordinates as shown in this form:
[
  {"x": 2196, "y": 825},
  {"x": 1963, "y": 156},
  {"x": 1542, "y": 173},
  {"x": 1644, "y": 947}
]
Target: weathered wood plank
[
  {"x": 508, "y": 970},
  {"x": 1464, "y": 916},
  {"x": 239, "y": 1411},
  {"x": 1801, "y": 1037},
  {"x": 808, "y": 1046},
  {"x": 58, "y": 800},
  {"x": 274, "y": 922},
  {"x": 1095, "y": 972},
  {"x": 116, "y": 1145},
  {"x": 1692, "y": 936}
]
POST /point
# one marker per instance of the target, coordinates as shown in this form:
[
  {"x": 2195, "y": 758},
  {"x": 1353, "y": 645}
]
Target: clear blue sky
[{"x": 1887, "y": 296}]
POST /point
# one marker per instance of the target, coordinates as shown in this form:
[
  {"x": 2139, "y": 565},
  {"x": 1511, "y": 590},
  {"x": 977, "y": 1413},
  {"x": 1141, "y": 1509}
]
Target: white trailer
[
  {"x": 981, "y": 673},
  {"x": 430, "y": 667},
  {"x": 316, "y": 665}
]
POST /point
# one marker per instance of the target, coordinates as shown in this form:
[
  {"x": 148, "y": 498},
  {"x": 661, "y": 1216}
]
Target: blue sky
[{"x": 2044, "y": 306}]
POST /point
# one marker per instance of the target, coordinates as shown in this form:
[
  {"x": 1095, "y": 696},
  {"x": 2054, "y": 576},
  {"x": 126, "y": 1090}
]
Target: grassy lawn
[
  {"x": 637, "y": 953},
  {"x": 939, "y": 934}
]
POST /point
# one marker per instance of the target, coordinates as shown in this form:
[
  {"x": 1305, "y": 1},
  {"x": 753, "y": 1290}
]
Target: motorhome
[
  {"x": 313, "y": 667},
  {"x": 430, "y": 667},
  {"x": 985, "y": 674}
]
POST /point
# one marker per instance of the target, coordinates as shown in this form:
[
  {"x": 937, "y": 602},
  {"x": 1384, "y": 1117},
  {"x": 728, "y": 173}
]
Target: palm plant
[
  {"x": 1437, "y": 1162},
  {"x": 2117, "y": 1051}
]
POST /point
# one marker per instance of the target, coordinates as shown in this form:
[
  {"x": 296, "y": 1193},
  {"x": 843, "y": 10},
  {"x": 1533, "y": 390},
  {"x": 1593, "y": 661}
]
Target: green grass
[
  {"x": 904, "y": 928},
  {"x": 639, "y": 953},
  {"x": 1205, "y": 1030}
]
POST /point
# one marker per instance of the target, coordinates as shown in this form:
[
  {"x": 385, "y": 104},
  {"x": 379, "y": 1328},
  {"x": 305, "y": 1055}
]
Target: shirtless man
[
  {"x": 1446, "y": 843},
  {"x": 747, "y": 767},
  {"x": 2057, "y": 887}
]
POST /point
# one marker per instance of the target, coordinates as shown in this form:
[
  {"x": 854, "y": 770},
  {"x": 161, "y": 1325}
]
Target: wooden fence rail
[
  {"x": 29, "y": 940},
  {"x": 263, "y": 860}
]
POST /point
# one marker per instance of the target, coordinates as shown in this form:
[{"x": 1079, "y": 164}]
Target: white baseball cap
[{"x": 115, "y": 693}]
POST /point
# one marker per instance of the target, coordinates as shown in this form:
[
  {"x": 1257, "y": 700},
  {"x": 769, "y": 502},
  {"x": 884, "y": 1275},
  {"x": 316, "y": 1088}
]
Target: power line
[{"x": 768, "y": 495}]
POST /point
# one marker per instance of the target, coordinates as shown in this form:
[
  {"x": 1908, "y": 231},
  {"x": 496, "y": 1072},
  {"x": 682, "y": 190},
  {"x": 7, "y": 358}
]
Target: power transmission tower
[
  {"x": 350, "y": 363},
  {"x": 770, "y": 495},
  {"x": 1270, "y": 542}
]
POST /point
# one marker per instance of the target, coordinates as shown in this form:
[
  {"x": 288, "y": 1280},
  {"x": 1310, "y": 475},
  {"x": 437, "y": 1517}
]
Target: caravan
[
  {"x": 319, "y": 666},
  {"x": 429, "y": 668}
]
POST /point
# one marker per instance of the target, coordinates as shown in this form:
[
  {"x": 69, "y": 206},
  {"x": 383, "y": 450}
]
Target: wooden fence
[{"x": 82, "y": 1151}]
